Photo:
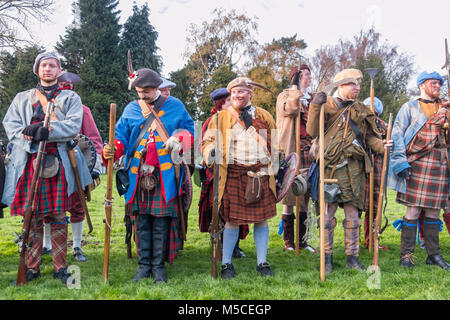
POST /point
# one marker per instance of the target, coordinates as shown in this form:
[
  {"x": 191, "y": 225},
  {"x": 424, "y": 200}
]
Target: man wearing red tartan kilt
[
  {"x": 221, "y": 99},
  {"x": 419, "y": 169},
  {"x": 377, "y": 168},
  {"x": 152, "y": 191},
  {"x": 243, "y": 152},
  {"x": 23, "y": 124}
]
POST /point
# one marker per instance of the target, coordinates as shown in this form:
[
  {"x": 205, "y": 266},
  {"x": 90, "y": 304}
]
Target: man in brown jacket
[
  {"x": 350, "y": 136},
  {"x": 247, "y": 190},
  {"x": 293, "y": 103}
]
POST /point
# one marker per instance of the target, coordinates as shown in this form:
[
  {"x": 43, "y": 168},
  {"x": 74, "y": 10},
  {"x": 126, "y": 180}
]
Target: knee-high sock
[
  {"x": 230, "y": 237},
  {"x": 261, "y": 236},
  {"x": 77, "y": 233},
  {"x": 47, "y": 236}
]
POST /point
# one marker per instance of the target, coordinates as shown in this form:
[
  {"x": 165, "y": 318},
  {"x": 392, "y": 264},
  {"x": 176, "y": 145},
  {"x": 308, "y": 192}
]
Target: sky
[{"x": 415, "y": 27}]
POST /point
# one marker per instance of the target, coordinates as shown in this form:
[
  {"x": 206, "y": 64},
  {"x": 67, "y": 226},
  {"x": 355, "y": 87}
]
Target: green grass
[{"x": 296, "y": 277}]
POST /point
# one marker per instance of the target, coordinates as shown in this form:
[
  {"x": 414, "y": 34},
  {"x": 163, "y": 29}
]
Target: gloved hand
[
  {"x": 95, "y": 174},
  {"x": 319, "y": 98},
  {"x": 32, "y": 128},
  {"x": 173, "y": 144},
  {"x": 108, "y": 152},
  {"x": 41, "y": 134},
  {"x": 404, "y": 174}
]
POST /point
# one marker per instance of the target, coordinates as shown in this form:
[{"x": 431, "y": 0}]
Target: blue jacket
[
  {"x": 410, "y": 119},
  {"x": 174, "y": 117}
]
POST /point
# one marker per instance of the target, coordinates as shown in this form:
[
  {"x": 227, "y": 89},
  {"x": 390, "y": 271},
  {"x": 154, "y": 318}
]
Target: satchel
[
  {"x": 253, "y": 189},
  {"x": 49, "y": 165}
]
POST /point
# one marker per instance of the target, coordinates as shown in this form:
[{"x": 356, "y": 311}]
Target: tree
[
  {"x": 15, "y": 16},
  {"x": 280, "y": 56},
  {"x": 262, "y": 98},
  {"x": 16, "y": 75},
  {"x": 91, "y": 47},
  {"x": 139, "y": 36}
]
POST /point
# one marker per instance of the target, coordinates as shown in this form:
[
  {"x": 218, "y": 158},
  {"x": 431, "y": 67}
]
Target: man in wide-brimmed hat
[
  {"x": 350, "y": 136},
  {"x": 418, "y": 169},
  {"x": 291, "y": 103},
  {"x": 23, "y": 124},
  {"x": 150, "y": 163},
  {"x": 247, "y": 192}
]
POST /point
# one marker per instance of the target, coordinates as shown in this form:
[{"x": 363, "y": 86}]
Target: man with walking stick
[
  {"x": 152, "y": 133},
  {"x": 419, "y": 168},
  {"x": 350, "y": 136},
  {"x": 55, "y": 181}
]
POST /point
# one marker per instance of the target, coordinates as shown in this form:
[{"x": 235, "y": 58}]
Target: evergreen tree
[
  {"x": 16, "y": 75},
  {"x": 91, "y": 47},
  {"x": 139, "y": 36}
]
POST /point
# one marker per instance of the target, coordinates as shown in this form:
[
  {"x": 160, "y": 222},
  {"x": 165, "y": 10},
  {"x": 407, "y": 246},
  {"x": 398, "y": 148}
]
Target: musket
[
  {"x": 108, "y": 197},
  {"x": 22, "y": 270},
  {"x": 380, "y": 196},
  {"x": 372, "y": 72},
  {"x": 215, "y": 243},
  {"x": 70, "y": 150},
  {"x": 447, "y": 66}
]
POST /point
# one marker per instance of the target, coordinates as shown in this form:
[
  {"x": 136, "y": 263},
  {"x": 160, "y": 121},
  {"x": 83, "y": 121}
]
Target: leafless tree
[{"x": 15, "y": 18}]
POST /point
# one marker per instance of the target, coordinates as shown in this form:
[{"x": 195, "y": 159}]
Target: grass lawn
[{"x": 296, "y": 277}]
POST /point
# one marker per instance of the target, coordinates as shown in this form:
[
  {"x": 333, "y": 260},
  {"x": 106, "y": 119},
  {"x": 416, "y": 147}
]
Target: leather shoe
[
  {"x": 264, "y": 269},
  {"x": 439, "y": 261},
  {"x": 353, "y": 263},
  {"x": 227, "y": 271}
]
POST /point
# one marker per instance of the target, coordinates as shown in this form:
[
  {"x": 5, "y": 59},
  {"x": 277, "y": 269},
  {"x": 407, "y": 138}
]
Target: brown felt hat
[{"x": 245, "y": 83}]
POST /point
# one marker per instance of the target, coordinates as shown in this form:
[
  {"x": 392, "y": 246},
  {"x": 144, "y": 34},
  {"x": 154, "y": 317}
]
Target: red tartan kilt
[
  {"x": 233, "y": 207},
  {"x": 427, "y": 187},
  {"x": 51, "y": 195}
]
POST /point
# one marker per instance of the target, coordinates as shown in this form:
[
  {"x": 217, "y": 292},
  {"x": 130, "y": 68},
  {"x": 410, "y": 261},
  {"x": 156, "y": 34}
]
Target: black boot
[
  {"x": 431, "y": 234},
  {"x": 237, "y": 252},
  {"x": 328, "y": 264},
  {"x": 408, "y": 242},
  {"x": 144, "y": 236},
  {"x": 353, "y": 263},
  {"x": 160, "y": 237},
  {"x": 62, "y": 275}
]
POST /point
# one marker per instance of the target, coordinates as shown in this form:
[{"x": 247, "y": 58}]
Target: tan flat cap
[
  {"x": 245, "y": 83},
  {"x": 348, "y": 74}
]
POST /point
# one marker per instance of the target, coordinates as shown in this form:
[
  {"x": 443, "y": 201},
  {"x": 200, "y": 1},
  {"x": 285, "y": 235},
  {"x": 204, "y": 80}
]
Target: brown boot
[
  {"x": 408, "y": 242},
  {"x": 288, "y": 231}
]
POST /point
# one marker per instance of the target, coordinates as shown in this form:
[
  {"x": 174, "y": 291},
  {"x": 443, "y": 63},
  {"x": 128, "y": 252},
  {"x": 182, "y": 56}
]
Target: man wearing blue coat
[
  {"x": 150, "y": 161},
  {"x": 419, "y": 170}
]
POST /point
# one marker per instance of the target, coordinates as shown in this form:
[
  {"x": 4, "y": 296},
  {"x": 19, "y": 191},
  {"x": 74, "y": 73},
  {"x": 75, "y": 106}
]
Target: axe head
[{"x": 372, "y": 72}]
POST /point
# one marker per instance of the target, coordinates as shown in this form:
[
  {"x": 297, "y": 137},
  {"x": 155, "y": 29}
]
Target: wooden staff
[
  {"x": 380, "y": 196},
  {"x": 108, "y": 197},
  {"x": 215, "y": 243},
  {"x": 372, "y": 72}
]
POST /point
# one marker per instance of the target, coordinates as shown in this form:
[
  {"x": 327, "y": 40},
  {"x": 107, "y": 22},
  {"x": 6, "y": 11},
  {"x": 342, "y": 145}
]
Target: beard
[{"x": 432, "y": 93}]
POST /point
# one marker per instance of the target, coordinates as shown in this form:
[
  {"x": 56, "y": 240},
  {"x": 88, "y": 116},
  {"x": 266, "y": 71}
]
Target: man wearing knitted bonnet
[{"x": 243, "y": 150}]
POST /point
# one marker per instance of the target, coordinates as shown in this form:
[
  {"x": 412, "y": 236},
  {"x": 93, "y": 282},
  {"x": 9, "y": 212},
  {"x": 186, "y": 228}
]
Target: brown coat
[
  {"x": 288, "y": 106},
  {"x": 226, "y": 122},
  {"x": 360, "y": 114}
]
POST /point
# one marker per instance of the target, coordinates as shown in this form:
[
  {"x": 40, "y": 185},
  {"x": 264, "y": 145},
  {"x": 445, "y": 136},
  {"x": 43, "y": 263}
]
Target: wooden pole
[
  {"x": 321, "y": 192},
  {"x": 380, "y": 196},
  {"x": 108, "y": 198}
]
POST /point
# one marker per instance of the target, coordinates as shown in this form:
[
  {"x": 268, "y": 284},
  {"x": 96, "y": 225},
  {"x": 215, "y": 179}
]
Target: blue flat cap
[
  {"x": 424, "y": 76},
  {"x": 219, "y": 94},
  {"x": 166, "y": 84},
  {"x": 377, "y": 105}
]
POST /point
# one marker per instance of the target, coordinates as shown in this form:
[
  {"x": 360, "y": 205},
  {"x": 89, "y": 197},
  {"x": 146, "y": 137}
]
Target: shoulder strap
[
  {"x": 158, "y": 104},
  {"x": 43, "y": 100}
]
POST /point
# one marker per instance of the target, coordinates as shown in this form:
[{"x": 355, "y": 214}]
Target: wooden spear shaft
[{"x": 108, "y": 198}]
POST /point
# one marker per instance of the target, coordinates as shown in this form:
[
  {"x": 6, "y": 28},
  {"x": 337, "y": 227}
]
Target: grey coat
[{"x": 19, "y": 116}]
